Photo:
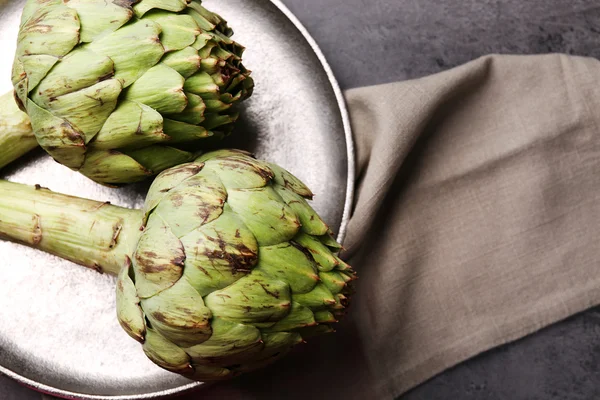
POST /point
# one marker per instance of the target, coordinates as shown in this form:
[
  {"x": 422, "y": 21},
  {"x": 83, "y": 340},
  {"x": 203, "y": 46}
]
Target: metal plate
[{"x": 59, "y": 333}]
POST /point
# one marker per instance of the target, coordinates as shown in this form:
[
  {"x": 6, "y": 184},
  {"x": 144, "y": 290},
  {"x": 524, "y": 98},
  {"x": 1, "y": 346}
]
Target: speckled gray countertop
[{"x": 377, "y": 41}]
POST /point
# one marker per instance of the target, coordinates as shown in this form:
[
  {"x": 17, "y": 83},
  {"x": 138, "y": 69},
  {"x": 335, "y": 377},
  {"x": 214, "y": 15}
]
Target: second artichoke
[{"x": 225, "y": 269}]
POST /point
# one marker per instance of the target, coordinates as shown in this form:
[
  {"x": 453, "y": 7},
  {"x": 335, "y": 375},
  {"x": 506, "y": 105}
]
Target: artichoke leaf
[
  {"x": 57, "y": 136},
  {"x": 181, "y": 132},
  {"x": 310, "y": 220},
  {"x": 185, "y": 61},
  {"x": 99, "y": 18},
  {"x": 231, "y": 343},
  {"x": 318, "y": 299},
  {"x": 157, "y": 158},
  {"x": 178, "y": 30},
  {"x": 240, "y": 172},
  {"x": 129, "y": 312},
  {"x": 143, "y": 6},
  {"x": 78, "y": 70},
  {"x": 290, "y": 264},
  {"x": 220, "y": 253},
  {"x": 277, "y": 345},
  {"x": 132, "y": 124},
  {"x": 334, "y": 281},
  {"x": 166, "y": 355},
  {"x": 158, "y": 260},
  {"x": 52, "y": 29},
  {"x": 34, "y": 67},
  {"x": 112, "y": 167},
  {"x": 299, "y": 317},
  {"x": 187, "y": 209},
  {"x": 201, "y": 83},
  {"x": 252, "y": 299},
  {"x": 285, "y": 179},
  {"x": 313, "y": 331},
  {"x": 325, "y": 316},
  {"x": 265, "y": 214},
  {"x": 326, "y": 261},
  {"x": 86, "y": 109},
  {"x": 161, "y": 88},
  {"x": 193, "y": 113},
  {"x": 179, "y": 314},
  {"x": 166, "y": 181},
  {"x": 134, "y": 49}
]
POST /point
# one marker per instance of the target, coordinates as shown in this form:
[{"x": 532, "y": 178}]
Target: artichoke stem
[
  {"x": 94, "y": 234},
  {"x": 16, "y": 136}
]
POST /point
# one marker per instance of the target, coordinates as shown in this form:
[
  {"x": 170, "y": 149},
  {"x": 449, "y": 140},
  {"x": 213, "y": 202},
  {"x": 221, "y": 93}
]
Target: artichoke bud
[
  {"x": 225, "y": 275},
  {"x": 149, "y": 81}
]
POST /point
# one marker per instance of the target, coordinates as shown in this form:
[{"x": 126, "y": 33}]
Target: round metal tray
[{"x": 59, "y": 332}]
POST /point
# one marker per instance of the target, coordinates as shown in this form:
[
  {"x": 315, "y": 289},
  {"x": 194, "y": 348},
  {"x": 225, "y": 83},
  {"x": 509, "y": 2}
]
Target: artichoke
[
  {"x": 230, "y": 270},
  {"x": 121, "y": 90}
]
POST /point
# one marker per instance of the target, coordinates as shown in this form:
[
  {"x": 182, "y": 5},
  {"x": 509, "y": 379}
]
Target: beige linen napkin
[
  {"x": 481, "y": 186},
  {"x": 477, "y": 222}
]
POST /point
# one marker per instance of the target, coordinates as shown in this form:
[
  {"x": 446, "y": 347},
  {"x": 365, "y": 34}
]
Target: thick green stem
[
  {"x": 16, "y": 136},
  {"x": 93, "y": 234}
]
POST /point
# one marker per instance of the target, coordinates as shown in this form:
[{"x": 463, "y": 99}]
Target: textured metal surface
[{"x": 59, "y": 332}]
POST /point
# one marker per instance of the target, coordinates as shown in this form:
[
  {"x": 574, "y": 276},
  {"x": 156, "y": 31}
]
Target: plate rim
[{"x": 348, "y": 204}]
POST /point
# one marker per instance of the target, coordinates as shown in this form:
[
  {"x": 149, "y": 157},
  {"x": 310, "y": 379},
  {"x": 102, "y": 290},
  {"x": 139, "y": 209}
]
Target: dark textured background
[{"x": 377, "y": 41}]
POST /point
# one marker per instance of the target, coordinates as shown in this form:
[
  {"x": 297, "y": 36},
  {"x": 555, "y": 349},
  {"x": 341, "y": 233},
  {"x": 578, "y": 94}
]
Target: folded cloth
[
  {"x": 476, "y": 223},
  {"x": 478, "y": 210}
]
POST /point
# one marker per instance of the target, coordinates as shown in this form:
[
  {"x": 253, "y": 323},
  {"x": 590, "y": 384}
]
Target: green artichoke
[
  {"x": 230, "y": 270},
  {"x": 121, "y": 90}
]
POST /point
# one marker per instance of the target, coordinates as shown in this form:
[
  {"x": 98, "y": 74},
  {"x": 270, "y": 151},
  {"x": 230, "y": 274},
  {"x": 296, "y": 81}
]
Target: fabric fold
[{"x": 477, "y": 210}]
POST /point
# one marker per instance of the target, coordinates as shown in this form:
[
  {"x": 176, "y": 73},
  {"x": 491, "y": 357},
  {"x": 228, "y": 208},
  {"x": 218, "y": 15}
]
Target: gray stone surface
[
  {"x": 377, "y": 41},
  {"x": 11, "y": 390}
]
